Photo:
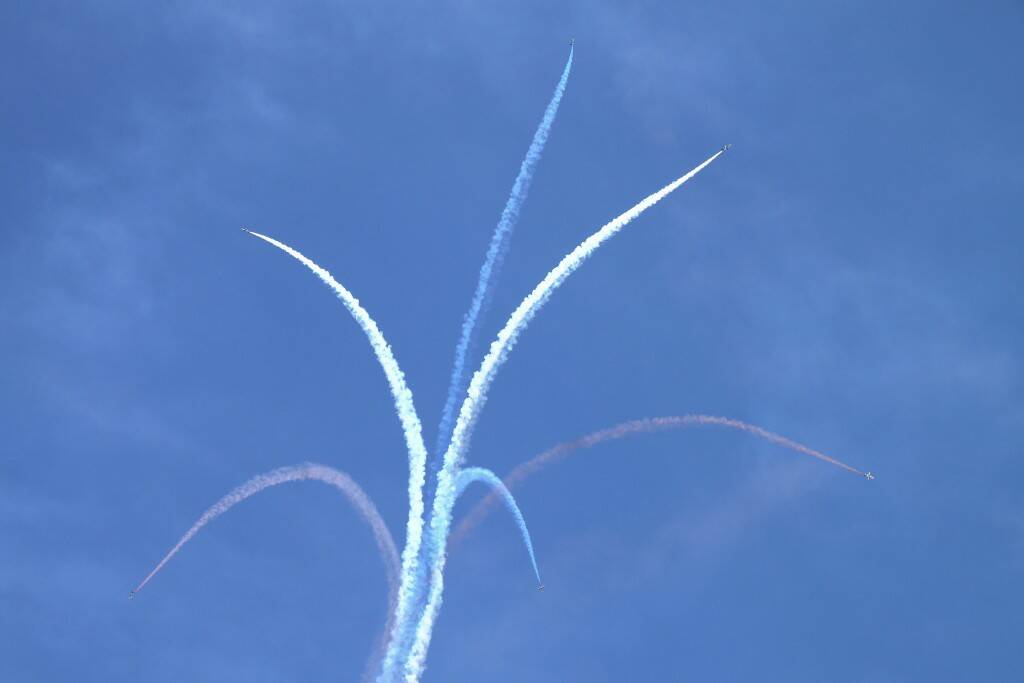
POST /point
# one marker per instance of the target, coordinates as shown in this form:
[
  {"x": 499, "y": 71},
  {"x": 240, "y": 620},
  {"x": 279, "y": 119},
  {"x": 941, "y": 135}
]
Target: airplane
[
  {"x": 869, "y": 476},
  {"x": 131, "y": 594},
  {"x": 726, "y": 148},
  {"x": 572, "y": 42},
  {"x": 540, "y": 587}
]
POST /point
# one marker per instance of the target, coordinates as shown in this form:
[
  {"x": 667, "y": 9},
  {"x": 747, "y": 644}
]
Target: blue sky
[{"x": 848, "y": 276}]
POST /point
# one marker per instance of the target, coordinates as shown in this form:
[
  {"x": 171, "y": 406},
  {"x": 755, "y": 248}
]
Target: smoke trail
[
  {"x": 304, "y": 472},
  {"x": 476, "y": 396},
  {"x": 473, "y": 474},
  {"x": 406, "y": 410},
  {"x": 489, "y": 272},
  {"x": 463, "y": 480},
  {"x": 492, "y": 263},
  {"x": 644, "y": 426},
  {"x": 356, "y": 496}
]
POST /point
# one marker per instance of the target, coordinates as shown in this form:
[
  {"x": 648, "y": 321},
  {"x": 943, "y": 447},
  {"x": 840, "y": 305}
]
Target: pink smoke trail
[
  {"x": 643, "y": 426},
  {"x": 304, "y": 472}
]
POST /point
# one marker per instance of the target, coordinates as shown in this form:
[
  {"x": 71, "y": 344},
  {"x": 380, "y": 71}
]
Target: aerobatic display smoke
[
  {"x": 491, "y": 267},
  {"x": 476, "y": 396},
  {"x": 304, "y": 472},
  {"x": 470, "y": 475},
  {"x": 411, "y": 427},
  {"x": 649, "y": 425},
  {"x": 489, "y": 271},
  {"x": 356, "y": 496},
  {"x": 416, "y": 579}
]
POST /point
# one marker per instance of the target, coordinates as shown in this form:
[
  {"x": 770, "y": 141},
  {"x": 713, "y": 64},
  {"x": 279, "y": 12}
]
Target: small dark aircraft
[
  {"x": 726, "y": 148},
  {"x": 540, "y": 587},
  {"x": 869, "y": 476}
]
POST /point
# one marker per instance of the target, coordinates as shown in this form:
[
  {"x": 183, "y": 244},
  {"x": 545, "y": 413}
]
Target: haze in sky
[{"x": 847, "y": 276}]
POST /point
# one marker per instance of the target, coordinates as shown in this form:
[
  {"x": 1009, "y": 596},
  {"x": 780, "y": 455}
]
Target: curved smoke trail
[
  {"x": 476, "y": 396},
  {"x": 411, "y": 427},
  {"x": 489, "y": 272},
  {"x": 492, "y": 263},
  {"x": 356, "y": 496},
  {"x": 470, "y": 475},
  {"x": 305, "y": 472},
  {"x": 643, "y": 426}
]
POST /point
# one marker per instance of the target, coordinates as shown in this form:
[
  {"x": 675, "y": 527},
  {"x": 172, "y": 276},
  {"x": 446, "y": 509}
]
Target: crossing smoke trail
[
  {"x": 408, "y": 595},
  {"x": 470, "y": 475},
  {"x": 476, "y": 396},
  {"x": 305, "y": 472},
  {"x": 411, "y": 427},
  {"x": 416, "y": 581},
  {"x": 489, "y": 272},
  {"x": 644, "y": 426},
  {"x": 492, "y": 263}
]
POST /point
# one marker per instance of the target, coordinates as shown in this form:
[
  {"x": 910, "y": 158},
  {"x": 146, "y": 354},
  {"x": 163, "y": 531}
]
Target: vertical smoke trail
[
  {"x": 410, "y": 426},
  {"x": 490, "y": 270},
  {"x": 473, "y": 474},
  {"x": 492, "y": 263},
  {"x": 644, "y": 426},
  {"x": 476, "y": 396},
  {"x": 304, "y": 472}
]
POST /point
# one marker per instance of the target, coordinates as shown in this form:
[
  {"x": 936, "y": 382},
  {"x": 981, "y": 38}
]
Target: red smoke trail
[
  {"x": 643, "y": 426},
  {"x": 307, "y": 471}
]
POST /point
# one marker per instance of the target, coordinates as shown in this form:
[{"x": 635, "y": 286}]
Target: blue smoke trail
[
  {"x": 489, "y": 271},
  {"x": 492, "y": 266},
  {"x": 475, "y": 474},
  {"x": 476, "y": 396}
]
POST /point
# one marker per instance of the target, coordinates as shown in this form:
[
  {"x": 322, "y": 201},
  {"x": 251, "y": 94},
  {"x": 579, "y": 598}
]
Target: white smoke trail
[
  {"x": 470, "y": 475},
  {"x": 410, "y": 426},
  {"x": 476, "y": 396},
  {"x": 643, "y": 426},
  {"x": 492, "y": 262},
  {"x": 304, "y": 472},
  {"x": 464, "y": 479}
]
